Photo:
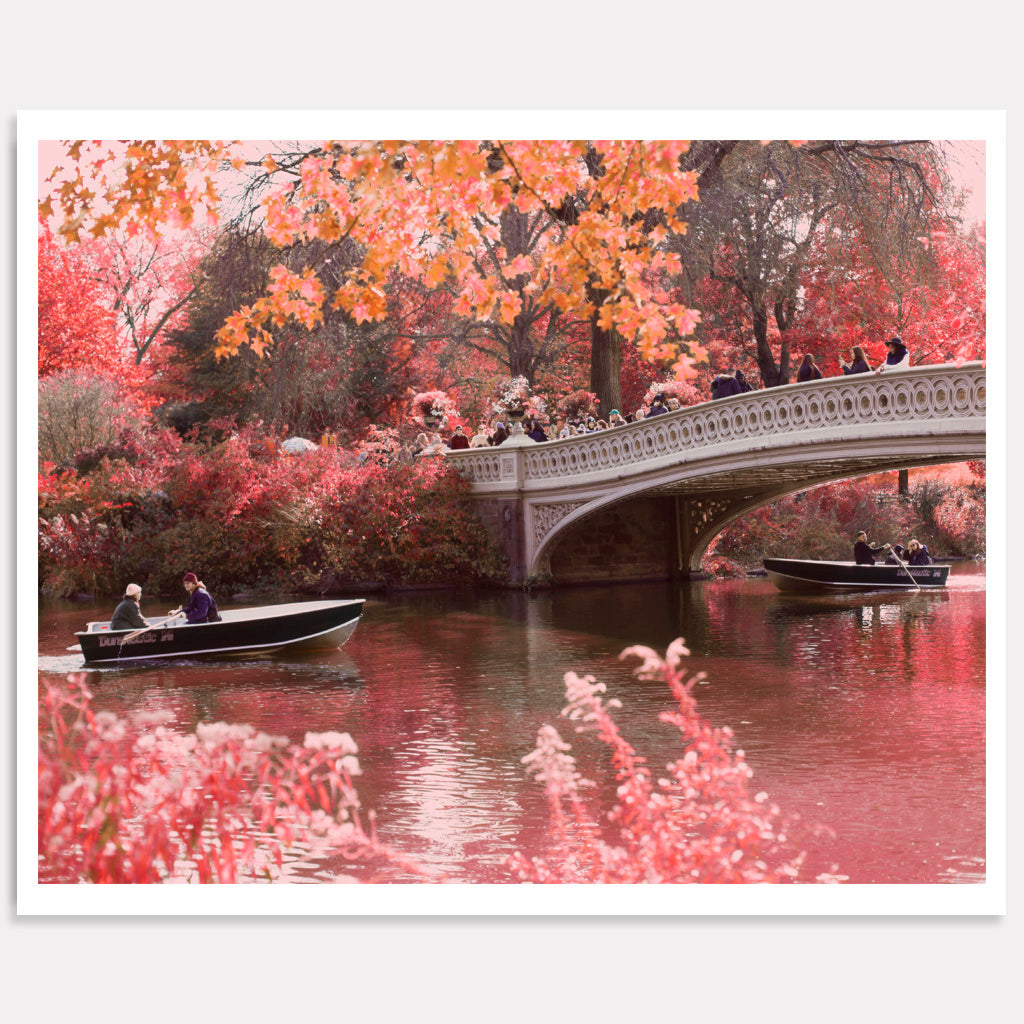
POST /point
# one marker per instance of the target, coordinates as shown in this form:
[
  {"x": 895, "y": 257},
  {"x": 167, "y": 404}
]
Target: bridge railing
[{"x": 932, "y": 393}]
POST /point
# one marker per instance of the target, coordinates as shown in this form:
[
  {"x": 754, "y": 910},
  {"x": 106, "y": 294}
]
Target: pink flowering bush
[
  {"x": 432, "y": 403},
  {"x": 577, "y": 405},
  {"x": 127, "y": 800},
  {"x": 694, "y": 823}
]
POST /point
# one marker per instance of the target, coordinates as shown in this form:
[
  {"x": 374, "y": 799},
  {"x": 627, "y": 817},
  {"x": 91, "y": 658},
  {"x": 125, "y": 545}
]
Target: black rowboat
[
  {"x": 309, "y": 625},
  {"x": 809, "y": 575}
]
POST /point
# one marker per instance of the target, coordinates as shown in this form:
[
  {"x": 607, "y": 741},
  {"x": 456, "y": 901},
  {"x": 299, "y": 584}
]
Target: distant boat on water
[{"x": 803, "y": 575}]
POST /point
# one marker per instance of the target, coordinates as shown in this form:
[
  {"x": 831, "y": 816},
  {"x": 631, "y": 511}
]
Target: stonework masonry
[{"x": 634, "y": 540}]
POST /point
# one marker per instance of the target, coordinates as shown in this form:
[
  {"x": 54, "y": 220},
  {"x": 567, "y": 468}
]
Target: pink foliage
[
  {"x": 432, "y": 403},
  {"x": 126, "y": 800},
  {"x": 961, "y": 515},
  {"x": 684, "y": 391},
  {"x": 129, "y": 800},
  {"x": 696, "y": 823}
]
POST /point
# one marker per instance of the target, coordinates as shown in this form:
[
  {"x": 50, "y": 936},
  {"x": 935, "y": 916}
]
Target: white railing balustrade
[{"x": 927, "y": 393}]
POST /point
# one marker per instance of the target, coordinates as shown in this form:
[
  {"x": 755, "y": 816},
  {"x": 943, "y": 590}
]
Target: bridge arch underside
[{"x": 661, "y": 526}]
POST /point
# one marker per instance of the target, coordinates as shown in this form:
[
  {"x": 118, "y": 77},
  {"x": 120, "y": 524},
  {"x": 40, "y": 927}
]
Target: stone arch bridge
[{"x": 644, "y": 500}]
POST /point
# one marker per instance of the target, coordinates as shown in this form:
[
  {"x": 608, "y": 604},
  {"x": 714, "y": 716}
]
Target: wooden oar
[
  {"x": 146, "y": 629},
  {"x": 904, "y": 567}
]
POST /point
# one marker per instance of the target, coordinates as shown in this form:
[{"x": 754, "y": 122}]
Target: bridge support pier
[
  {"x": 505, "y": 521},
  {"x": 700, "y": 519}
]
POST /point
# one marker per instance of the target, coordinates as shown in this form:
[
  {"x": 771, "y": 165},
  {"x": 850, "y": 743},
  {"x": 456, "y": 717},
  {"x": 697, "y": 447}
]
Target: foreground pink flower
[
  {"x": 694, "y": 824},
  {"x": 122, "y": 801}
]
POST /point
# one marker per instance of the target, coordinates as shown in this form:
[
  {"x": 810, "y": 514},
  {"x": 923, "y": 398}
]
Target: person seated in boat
[
  {"x": 917, "y": 554},
  {"x": 894, "y": 556},
  {"x": 863, "y": 552},
  {"x": 128, "y": 615},
  {"x": 201, "y": 606}
]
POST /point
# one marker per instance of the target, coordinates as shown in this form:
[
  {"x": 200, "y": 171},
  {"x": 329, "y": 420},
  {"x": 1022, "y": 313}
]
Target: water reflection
[{"x": 863, "y": 712}]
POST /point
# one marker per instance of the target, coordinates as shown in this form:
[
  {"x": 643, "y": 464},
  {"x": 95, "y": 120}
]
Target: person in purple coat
[
  {"x": 858, "y": 362},
  {"x": 201, "y": 606},
  {"x": 808, "y": 370},
  {"x": 917, "y": 553},
  {"x": 725, "y": 385}
]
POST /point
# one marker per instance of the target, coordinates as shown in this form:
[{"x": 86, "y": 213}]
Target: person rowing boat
[{"x": 863, "y": 552}]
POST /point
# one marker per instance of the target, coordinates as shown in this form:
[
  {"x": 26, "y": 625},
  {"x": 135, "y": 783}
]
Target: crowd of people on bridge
[{"x": 724, "y": 385}]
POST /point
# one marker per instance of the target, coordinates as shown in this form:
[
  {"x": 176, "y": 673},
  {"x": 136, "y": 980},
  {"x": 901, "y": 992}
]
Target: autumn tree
[
  {"x": 765, "y": 207},
  {"x": 941, "y": 316},
  {"x": 148, "y": 282},
  {"x": 340, "y": 375},
  {"x": 419, "y": 207},
  {"x": 526, "y": 332},
  {"x": 77, "y": 328}
]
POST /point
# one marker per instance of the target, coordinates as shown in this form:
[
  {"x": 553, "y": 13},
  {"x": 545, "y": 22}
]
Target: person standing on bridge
[
  {"x": 863, "y": 552},
  {"x": 898, "y": 357},
  {"x": 724, "y": 386},
  {"x": 858, "y": 362},
  {"x": 808, "y": 370},
  {"x": 536, "y": 431},
  {"x": 458, "y": 440}
]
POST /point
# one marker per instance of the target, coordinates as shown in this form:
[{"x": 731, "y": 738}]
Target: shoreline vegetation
[{"x": 254, "y": 522}]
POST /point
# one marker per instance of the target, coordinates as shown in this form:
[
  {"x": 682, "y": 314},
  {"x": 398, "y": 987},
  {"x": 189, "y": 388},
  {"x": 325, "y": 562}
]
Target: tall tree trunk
[
  {"x": 520, "y": 350},
  {"x": 605, "y": 361},
  {"x": 770, "y": 377},
  {"x": 772, "y": 374}
]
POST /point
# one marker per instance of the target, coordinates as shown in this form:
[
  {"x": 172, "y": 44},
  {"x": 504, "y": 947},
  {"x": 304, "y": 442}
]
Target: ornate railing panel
[{"x": 934, "y": 393}]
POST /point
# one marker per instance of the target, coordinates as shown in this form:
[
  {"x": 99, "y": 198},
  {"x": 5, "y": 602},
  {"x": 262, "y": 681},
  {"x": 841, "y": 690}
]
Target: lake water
[{"x": 862, "y": 713}]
